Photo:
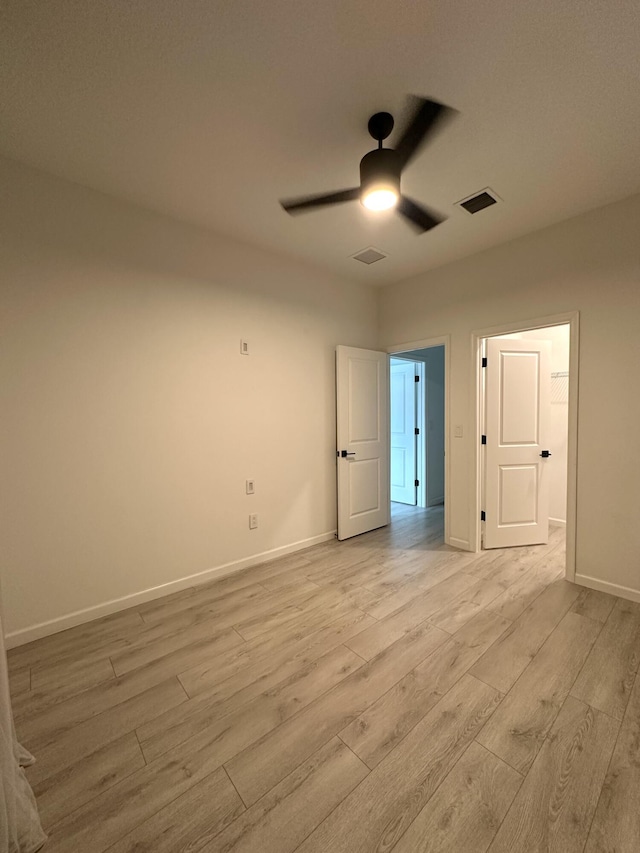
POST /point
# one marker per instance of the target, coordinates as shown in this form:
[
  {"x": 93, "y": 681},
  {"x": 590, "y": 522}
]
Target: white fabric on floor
[{"x": 20, "y": 829}]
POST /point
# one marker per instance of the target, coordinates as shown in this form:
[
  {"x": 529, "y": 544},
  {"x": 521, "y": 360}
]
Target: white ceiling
[{"x": 212, "y": 110}]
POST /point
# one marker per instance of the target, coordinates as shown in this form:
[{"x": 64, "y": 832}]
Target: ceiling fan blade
[
  {"x": 427, "y": 115},
  {"x": 421, "y": 218},
  {"x": 300, "y": 205}
]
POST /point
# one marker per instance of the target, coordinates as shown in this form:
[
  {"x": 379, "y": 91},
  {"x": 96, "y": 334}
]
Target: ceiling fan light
[
  {"x": 380, "y": 179},
  {"x": 382, "y": 196}
]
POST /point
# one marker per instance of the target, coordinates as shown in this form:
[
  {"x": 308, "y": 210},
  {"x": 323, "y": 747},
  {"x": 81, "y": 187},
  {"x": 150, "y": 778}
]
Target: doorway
[
  {"x": 526, "y": 397},
  {"x": 417, "y": 435}
]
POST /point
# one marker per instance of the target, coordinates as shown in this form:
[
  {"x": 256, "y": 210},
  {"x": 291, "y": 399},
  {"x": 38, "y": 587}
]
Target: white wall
[
  {"x": 434, "y": 389},
  {"x": 558, "y": 337},
  {"x": 592, "y": 264},
  {"x": 129, "y": 419}
]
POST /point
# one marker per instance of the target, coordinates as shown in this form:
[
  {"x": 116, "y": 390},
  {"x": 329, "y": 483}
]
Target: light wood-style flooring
[{"x": 384, "y": 693}]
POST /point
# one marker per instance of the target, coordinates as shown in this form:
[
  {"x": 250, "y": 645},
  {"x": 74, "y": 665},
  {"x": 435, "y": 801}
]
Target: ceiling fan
[{"x": 380, "y": 169}]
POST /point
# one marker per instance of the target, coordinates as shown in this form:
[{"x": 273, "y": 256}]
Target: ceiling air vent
[
  {"x": 369, "y": 255},
  {"x": 478, "y": 201}
]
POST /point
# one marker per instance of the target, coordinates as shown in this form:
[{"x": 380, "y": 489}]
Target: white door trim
[
  {"x": 426, "y": 343},
  {"x": 573, "y": 319}
]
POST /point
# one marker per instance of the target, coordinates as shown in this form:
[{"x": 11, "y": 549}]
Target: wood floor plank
[
  {"x": 423, "y": 569},
  {"x": 383, "y": 725},
  {"x": 263, "y": 671},
  {"x": 506, "y": 565},
  {"x": 225, "y": 588},
  {"x": 287, "y": 814},
  {"x": 68, "y": 679},
  {"x": 608, "y": 675},
  {"x": 99, "y": 824},
  {"x": 352, "y": 570},
  {"x": 508, "y": 570},
  {"x": 360, "y": 597},
  {"x": 407, "y": 591},
  {"x": 377, "y": 813},
  {"x": 517, "y": 730},
  {"x": 175, "y": 726},
  {"x": 74, "y": 642},
  {"x": 466, "y": 605},
  {"x": 79, "y": 783},
  {"x": 378, "y": 637},
  {"x": 160, "y": 639},
  {"x": 234, "y": 605},
  {"x": 465, "y": 812},
  {"x": 284, "y": 572},
  {"x": 232, "y": 728},
  {"x": 505, "y": 661},
  {"x": 553, "y": 809},
  {"x": 175, "y": 631},
  {"x": 594, "y": 604},
  {"x": 169, "y": 605},
  {"x": 258, "y": 768},
  {"x": 189, "y": 822},
  {"x": 177, "y": 657},
  {"x": 19, "y": 683},
  {"x": 59, "y": 750},
  {"x": 519, "y": 595},
  {"x": 325, "y": 600},
  {"x": 47, "y": 713},
  {"x": 616, "y": 825},
  {"x": 220, "y": 679}
]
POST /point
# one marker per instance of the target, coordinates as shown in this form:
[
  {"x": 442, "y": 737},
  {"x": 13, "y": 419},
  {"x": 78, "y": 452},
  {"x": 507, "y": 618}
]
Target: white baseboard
[
  {"x": 559, "y": 522},
  {"x": 436, "y": 501},
  {"x": 463, "y": 544},
  {"x": 611, "y": 588},
  {"x": 88, "y": 614}
]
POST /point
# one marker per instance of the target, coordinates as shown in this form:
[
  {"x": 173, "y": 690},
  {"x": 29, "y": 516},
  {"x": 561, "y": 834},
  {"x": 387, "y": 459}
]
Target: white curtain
[{"x": 20, "y": 829}]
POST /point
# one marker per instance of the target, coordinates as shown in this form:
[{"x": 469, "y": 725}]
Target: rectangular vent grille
[
  {"x": 478, "y": 202},
  {"x": 369, "y": 256}
]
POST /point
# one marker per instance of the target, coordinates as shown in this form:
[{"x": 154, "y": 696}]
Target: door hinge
[
  {"x": 484, "y": 361},
  {"x": 484, "y": 439},
  {"x": 483, "y": 516},
  {"x": 416, "y": 378},
  {"x": 416, "y": 482},
  {"x": 417, "y": 430}
]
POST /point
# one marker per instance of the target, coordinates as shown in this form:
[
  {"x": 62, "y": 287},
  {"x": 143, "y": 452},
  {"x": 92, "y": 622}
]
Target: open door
[
  {"x": 362, "y": 386},
  {"x": 517, "y": 423},
  {"x": 403, "y": 432}
]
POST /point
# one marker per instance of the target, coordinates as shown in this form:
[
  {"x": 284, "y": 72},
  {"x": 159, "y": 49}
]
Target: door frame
[
  {"x": 572, "y": 319},
  {"x": 427, "y": 343}
]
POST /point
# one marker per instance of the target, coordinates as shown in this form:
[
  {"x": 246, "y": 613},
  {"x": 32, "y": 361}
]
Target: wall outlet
[
  {"x": 244, "y": 347},
  {"x": 253, "y": 521},
  {"x": 458, "y": 431},
  {"x": 251, "y": 487}
]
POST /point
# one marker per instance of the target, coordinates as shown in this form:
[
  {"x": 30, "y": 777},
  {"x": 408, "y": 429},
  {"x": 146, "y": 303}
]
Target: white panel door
[
  {"x": 403, "y": 432},
  {"x": 362, "y": 385},
  {"x": 518, "y": 414}
]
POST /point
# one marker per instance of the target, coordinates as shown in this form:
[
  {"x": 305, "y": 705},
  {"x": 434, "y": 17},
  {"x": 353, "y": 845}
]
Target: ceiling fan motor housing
[{"x": 380, "y": 167}]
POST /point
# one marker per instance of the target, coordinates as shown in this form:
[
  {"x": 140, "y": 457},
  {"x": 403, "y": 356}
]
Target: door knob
[
  {"x": 345, "y": 453},
  {"x": 545, "y": 454}
]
